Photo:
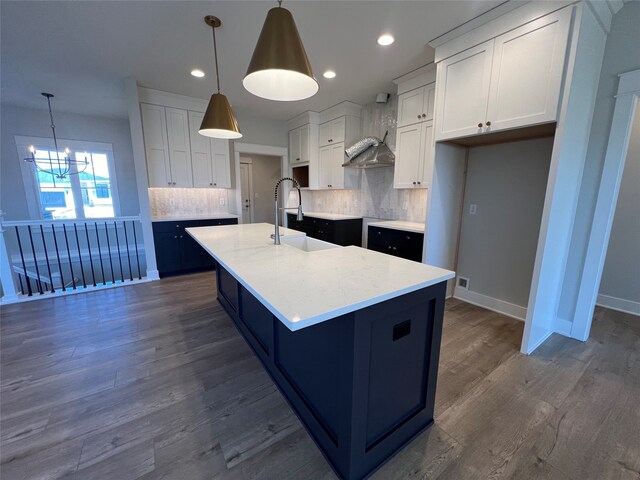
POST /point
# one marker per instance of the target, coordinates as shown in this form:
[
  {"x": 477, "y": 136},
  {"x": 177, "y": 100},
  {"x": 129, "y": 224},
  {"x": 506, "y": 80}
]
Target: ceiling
[{"x": 82, "y": 50}]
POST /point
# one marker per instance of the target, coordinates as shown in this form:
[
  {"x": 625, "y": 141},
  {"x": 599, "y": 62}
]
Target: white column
[{"x": 9, "y": 293}]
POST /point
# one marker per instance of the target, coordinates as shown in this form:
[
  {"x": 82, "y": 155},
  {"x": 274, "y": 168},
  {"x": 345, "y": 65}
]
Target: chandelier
[{"x": 57, "y": 165}]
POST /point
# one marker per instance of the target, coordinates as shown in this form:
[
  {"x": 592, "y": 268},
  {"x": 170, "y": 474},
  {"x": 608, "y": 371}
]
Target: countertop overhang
[{"x": 305, "y": 288}]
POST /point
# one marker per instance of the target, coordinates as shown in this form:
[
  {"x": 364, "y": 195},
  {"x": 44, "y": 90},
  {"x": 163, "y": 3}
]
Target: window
[{"x": 86, "y": 192}]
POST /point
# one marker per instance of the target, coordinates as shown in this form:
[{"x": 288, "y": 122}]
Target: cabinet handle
[
  {"x": 488, "y": 123},
  {"x": 175, "y": 236},
  {"x": 424, "y": 115},
  {"x": 210, "y": 183},
  {"x": 215, "y": 184},
  {"x": 414, "y": 183},
  {"x": 419, "y": 183},
  {"x": 389, "y": 247},
  {"x": 182, "y": 236},
  {"x": 168, "y": 183},
  {"x": 177, "y": 226},
  {"x": 419, "y": 116},
  {"x": 480, "y": 125},
  {"x": 297, "y": 159},
  {"x": 394, "y": 249}
]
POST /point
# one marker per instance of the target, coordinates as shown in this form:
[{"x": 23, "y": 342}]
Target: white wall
[
  {"x": 507, "y": 183},
  {"x": 621, "y": 55},
  {"x": 32, "y": 122},
  {"x": 266, "y": 171},
  {"x": 620, "y": 284}
]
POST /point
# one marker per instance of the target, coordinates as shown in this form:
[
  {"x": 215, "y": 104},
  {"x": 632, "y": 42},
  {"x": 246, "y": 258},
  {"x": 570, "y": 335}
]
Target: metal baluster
[
  {"x": 35, "y": 260},
  {"x": 93, "y": 273},
  {"x": 118, "y": 245},
  {"x": 126, "y": 242},
  {"x": 24, "y": 265},
  {"x": 46, "y": 256},
  {"x": 55, "y": 241},
  {"x": 84, "y": 280},
  {"x": 106, "y": 231},
  {"x": 66, "y": 239},
  {"x": 104, "y": 279},
  {"x": 21, "y": 286},
  {"x": 135, "y": 241}
]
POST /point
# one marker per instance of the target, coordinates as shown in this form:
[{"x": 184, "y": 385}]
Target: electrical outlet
[
  {"x": 222, "y": 201},
  {"x": 405, "y": 205},
  {"x": 473, "y": 208},
  {"x": 463, "y": 283}
]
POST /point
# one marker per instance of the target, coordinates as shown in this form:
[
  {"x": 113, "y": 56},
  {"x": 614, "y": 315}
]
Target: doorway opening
[{"x": 258, "y": 176}]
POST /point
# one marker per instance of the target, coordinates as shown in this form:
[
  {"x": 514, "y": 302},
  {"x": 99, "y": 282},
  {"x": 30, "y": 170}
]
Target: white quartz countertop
[
  {"x": 329, "y": 216},
  {"x": 399, "y": 225},
  {"x": 305, "y": 288},
  {"x": 198, "y": 216}
]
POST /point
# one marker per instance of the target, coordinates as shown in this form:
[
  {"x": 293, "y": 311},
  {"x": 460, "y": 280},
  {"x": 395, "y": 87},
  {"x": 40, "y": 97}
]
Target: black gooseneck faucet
[{"x": 276, "y": 235}]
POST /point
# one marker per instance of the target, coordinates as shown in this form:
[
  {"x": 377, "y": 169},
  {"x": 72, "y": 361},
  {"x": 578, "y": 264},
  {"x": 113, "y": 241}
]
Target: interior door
[
  {"x": 463, "y": 92},
  {"x": 246, "y": 190},
  {"x": 526, "y": 76}
]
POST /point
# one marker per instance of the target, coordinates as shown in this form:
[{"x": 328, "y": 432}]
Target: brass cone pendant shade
[
  {"x": 219, "y": 120},
  {"x": 279, "y": 69}
]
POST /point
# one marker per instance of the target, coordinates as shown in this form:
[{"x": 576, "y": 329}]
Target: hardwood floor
[{"x": 153, "y": 382}]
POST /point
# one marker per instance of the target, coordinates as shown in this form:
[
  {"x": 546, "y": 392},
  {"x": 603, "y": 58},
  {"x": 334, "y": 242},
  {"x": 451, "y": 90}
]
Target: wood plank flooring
[{"x": 153, "y": 382}]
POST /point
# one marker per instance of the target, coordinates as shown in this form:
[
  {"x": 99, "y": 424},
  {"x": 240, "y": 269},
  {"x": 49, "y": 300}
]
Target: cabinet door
[
  {"x": 463, "y": 92},
  {"x": 337, "y": 170},
  {"x": 324, "y": 167},
  {"x": 526, "y": 76},
  {"x": 409, "y": 151},
  {"x": 410, "y": 107},
  {"x": 179, "y": 148},
  {"x": 294, "y": 146},
  {"x": 425, "y": 170},
  {"x": 220, "y": 162},
  {"x": 200, "y": 153},
  {"x": 337, "y": 130},
  {"x": 167, "y": 252},
  {"x": 304, "y": 143},
  {"x": 429, "y": 101},
  {"x": 325, "y": 134},
  {"x": 154, "y": 126}
]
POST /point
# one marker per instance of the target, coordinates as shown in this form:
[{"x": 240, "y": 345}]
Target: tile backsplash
[
  {"x": 187, "y": 201},
  {"x": 376, "y": 198}
]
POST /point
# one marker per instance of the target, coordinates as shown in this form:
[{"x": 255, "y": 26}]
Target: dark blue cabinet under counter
[
  {"x": 342, "y": 232},
  {"x": 177, "y": 252},
  {"x": 399, "y": 243}
]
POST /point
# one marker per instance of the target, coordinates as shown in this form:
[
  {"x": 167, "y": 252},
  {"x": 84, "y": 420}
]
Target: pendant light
[
  {"x": 279, "y": 68},
  {"x": 219, "y": 120}
]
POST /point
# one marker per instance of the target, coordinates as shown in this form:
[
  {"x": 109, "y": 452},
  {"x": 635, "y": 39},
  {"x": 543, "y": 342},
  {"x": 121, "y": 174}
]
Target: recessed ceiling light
[
  {"x": 385, "y": 39},
  {"x": 196, "y": 72},
  {"x": 329, "y": 74}
]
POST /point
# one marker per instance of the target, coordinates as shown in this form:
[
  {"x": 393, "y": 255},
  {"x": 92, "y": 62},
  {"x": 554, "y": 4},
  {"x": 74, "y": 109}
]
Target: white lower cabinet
[
  {"x": 209, "y": 157},
  {"x": 414, "y": 156}
]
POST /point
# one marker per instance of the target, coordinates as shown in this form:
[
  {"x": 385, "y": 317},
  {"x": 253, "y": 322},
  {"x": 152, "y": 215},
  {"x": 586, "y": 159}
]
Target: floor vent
[{"x": 463, "y": 283}]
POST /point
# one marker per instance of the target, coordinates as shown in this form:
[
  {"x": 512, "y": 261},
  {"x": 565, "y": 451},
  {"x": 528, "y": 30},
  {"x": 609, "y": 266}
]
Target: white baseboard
[
  {"x": 490, "y": 303},
  {"x": 563, "y": 327},
  {"x": 619, "y": 304},
  {"x": 153, "y": 274}
]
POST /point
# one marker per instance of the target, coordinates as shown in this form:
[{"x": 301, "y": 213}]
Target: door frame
[
  {"x": 626, "y": 106},
  {"x": 257, "y": 149},
  {"x": 249, "y": 162}
]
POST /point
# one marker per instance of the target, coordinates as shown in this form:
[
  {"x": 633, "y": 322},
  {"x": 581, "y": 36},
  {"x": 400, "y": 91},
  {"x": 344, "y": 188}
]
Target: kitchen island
[{"x": 350, "y": 336}]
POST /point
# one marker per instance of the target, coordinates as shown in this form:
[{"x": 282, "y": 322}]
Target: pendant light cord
[
  {"x": 215, "y": 56},
  {"x": 279, "y": 3}
]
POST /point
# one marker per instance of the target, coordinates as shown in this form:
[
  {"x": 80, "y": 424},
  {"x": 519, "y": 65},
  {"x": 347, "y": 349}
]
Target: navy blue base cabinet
[
  {"x": 363, "y": 384},
  {"x": 339, "y": 232},
  {"x": 398, "y": 243},
  {"x": 177, "y": 252}
]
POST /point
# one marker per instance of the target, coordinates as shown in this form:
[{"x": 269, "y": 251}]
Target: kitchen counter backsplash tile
[{"x": 176, "y": 202}]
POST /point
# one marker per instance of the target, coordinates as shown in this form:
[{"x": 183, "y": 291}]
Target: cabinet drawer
[{"x": 399, "y": 243}]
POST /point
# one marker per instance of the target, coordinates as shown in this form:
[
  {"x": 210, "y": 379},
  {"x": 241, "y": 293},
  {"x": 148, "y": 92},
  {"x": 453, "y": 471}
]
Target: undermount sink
[{"x": 307, "y": 244}]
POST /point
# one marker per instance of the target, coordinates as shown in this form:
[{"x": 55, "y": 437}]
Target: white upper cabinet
[
  {"x": 209, "y": 157},
  {"x": 416, "y": 106},
  {"x": 156, "y": 145},
  {"x": 331, "y": 173},
  {"x": 179, "y": 147},
  {"x": 511, "y": 81},
  {"x": 295, "y": 147},
  {"x": 527, "y": 72},
  {"x": 305, "y": 142},
  {"x": 332, "y": 132},
  {"x": 414, "y": 150},
  {"x": 463, "y": 92}
]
